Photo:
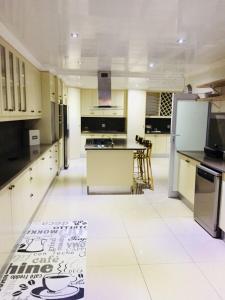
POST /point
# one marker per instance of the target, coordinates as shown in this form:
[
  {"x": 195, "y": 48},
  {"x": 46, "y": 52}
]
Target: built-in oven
[{"x": 207, "y": 199}]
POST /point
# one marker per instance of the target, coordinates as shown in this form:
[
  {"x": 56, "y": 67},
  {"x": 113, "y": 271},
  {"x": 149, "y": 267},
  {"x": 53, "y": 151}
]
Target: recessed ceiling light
[
  {"x": 74, "y": 35},
  {"x": 180, "y": 41},
  {"x": 151, "y": 65}
]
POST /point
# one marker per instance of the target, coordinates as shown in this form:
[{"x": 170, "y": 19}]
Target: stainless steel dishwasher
[{"x": 207, "y": 199}]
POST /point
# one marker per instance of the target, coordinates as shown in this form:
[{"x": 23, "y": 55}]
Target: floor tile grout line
[
  {"x": 139, "y": 266},
  {"x": 193, "y": 261}
]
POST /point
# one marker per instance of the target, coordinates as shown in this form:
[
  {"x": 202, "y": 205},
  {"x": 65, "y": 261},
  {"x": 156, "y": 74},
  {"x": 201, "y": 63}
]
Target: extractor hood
[{"x": 104, "y": 90}]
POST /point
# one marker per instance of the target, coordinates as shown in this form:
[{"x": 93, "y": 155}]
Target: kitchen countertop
[
  {"x": 12, "y": 166},
  {"x": 216, "y": 164},
  {"x": 118, "y": 144},
  {"x": 157, "y": 132},
  {"x": 102, "y": 132}
]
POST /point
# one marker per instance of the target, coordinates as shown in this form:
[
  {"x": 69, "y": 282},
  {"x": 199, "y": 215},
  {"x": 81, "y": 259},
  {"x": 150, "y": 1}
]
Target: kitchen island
[{"x": 110, "y": 165}]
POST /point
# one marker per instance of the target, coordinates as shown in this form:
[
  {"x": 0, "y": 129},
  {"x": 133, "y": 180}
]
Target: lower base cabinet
[
  {"x": 5, "y": 220},
  {"x": 160, "y": 144},
  {"x": 186, "y": 178},
  {"x": 20, "y": 199},
  {"x": 222, "y": 206}
]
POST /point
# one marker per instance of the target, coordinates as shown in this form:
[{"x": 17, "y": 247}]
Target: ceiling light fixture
[
  {"x": 74, "y": 35},
  {"x": 180, "y": 41},
  {"x": 151, "y": 65}
]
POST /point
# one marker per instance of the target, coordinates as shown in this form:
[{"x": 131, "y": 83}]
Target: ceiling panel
[{"x": 121, "y": 36}]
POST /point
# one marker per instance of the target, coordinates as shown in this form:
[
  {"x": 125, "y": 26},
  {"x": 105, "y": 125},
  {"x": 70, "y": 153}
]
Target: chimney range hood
[{"x": 104, "y": 90}]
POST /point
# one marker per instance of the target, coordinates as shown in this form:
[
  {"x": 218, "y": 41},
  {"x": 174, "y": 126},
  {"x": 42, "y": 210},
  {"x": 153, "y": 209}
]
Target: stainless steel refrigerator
[{"x": 65, "y": 135}]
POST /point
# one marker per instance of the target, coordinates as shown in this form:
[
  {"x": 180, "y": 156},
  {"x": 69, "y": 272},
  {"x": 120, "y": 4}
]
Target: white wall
[
  {"x": 136, "y": 114},
  {"x": 74, "y": 122}
]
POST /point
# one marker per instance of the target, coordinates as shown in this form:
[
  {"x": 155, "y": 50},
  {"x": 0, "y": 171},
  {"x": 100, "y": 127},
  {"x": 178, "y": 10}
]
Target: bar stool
[
  {"x": 137, "y": 158},
  {"x": 147, "y": 160}
]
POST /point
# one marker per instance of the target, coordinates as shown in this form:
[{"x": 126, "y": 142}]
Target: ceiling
[{"x": 121, "y": 36}]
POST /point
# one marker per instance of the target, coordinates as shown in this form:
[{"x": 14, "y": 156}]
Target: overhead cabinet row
[
  {"x": 89, "y": 104},
  {"x": 21, "y": 94},
  {"x": 20, "y": 86}
]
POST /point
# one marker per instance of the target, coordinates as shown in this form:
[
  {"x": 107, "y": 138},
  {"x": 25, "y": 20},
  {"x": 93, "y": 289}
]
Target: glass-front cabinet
[
  {"x": 23, "y": 86},
  {"x": 3, "y": 80},
  {"x": 13, "y": 96}
]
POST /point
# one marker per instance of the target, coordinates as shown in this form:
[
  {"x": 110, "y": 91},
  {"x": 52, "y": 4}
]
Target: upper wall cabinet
[
  {"x": 59, "y": 90},
  {"x": 20, "y": 86},
  {"x": 33, "y": 83},
  {"x": 65, "y": 93},
  {"x": 89, "y": 103}
]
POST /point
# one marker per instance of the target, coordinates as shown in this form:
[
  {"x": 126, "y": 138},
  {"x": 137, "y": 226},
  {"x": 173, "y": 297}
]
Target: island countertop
[{"x": 112, "y": 144}]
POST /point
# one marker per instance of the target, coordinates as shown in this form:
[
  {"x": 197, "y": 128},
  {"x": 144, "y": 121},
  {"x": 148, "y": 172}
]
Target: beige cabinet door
[
  {"x": 222, "y": 206},
  {"x": 82, "y": 145},
  {"x": 34, "y": 105},
  {"x": 89, "y": 101},
  {"x": 186, "y": 179},
  {"x": 61, "y": 154},
  {"x": 6, "y": 233},
  {"x": 52, "y": 87},
  {"x": 22, "y": 202}
]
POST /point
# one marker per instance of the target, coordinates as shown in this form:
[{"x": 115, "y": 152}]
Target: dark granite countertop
[
  {"x": 118, "y": 144},
  {"x": 216, "y": 164},
  {"x": 157, "y": 132},
  {"x": 13, "y": 165},
  {"x": 102, "y": 132}
]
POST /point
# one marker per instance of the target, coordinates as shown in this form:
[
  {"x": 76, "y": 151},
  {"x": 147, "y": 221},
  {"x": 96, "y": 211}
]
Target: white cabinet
[
  {"x": 89, "y": 103},
  {"x": 33, "y": 83},
  {"x": 20, "y": 199},
  {"x": 22, "y": 202},
  {"x": 136, "y": 114},
  {"x": 20, "y": 86},
  {"x": 186, "y": 178},
  {"x": 7, "y": 238},
  {"x": 160, "y": 144},
  {"x": 61, "y": 154},
  {"x": 222, "y": 206},
  {"x": 5, "y": 212}
]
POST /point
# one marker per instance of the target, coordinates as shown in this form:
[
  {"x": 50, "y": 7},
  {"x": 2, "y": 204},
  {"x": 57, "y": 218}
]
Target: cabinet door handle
[
  {"x": 24, "y": 110},
  {"x": 30, "y": 169},
  {"x": 10, "y": 109},
  {"x": 31, "y": 195},
  {"x": 11, "y": 186},
  {"x": 43, "y": 158},
  {"x": 32, "y": 111},
  {"x": 39, "y": 111},
  {"x": 31, "y": 178},
  {"x": 50, "y": 157},
  {"x": 187, "y": 161},
  {"x": 50, "y": 168}
]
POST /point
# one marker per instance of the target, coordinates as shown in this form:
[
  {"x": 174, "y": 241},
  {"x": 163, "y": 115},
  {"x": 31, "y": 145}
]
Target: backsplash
[
  {"x": 157, "y": 124},
  {"x": 11, "y": 138},
  {"x": 95, "y": 124}
]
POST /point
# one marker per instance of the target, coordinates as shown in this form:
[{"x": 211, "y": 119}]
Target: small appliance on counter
[{"x": 32, "y": 137}]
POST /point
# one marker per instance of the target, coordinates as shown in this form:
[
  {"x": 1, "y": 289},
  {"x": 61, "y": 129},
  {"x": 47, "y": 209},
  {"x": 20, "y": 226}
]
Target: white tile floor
[{"x": 139, "y": 246}]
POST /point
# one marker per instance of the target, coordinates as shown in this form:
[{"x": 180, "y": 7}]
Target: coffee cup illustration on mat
[{"x": 58, "y": 286}]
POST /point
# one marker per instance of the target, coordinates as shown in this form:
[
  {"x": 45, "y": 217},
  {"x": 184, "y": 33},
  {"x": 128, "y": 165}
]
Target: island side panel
[{"x": 110, "y": 168}]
